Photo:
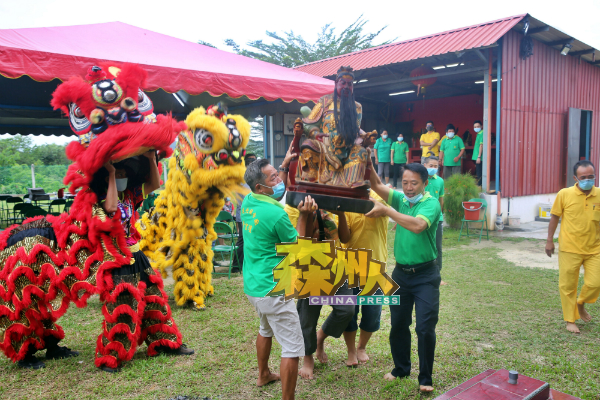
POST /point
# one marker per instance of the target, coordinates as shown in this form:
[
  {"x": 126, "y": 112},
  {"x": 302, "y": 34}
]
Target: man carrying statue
[{"x": 334, "y": 152}]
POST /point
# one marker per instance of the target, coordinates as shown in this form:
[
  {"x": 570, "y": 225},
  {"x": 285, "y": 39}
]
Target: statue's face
[{"x": 344, "y": 87}]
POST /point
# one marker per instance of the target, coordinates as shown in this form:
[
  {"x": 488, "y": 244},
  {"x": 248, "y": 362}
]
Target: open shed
[{"x": 539, "y": 101}]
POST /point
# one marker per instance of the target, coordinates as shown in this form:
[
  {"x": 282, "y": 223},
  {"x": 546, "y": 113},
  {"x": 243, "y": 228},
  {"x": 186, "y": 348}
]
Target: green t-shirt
[
  {"x": 265, "y": 224},
  {"x": 451, "y": 149},
  {"x": 384, "y": 149},
  {"x": 436, "y": 189},
  {"x": 412, "y": 248},
  {"x": 400, "y": 149},
  {"x": 478, "y": 142}
]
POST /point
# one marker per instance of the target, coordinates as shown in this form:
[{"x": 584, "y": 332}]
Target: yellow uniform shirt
[
  {"x": 580, "y": 220},
  {"x": 428, "y": 138},
  {"x": 369, "y": 233}
]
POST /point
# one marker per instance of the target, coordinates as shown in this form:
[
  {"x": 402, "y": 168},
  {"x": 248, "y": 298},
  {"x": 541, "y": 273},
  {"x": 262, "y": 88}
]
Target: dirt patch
[{"x": 527, "y": 253}]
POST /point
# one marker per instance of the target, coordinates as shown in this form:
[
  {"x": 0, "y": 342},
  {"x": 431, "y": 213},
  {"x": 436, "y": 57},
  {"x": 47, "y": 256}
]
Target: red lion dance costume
[{"x": 49, "y": 262}]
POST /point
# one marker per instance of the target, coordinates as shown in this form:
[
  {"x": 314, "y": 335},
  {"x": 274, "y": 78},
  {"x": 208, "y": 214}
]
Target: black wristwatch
[{"x": 284, "y": 169}]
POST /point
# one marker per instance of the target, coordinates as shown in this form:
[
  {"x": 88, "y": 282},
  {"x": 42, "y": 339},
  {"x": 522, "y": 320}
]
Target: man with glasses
[{"x": 578, "y": 207}]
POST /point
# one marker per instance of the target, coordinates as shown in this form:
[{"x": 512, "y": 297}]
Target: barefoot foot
[
  {"x": 442, "y": 283},
  {"x": 583, "y": 314},
  {"x": 362, "y": 355},
  {"x": 571, "y": 327},
  {"x": 389, "y": 377},
  {"x": 267, "y": 378},
  {"x": 352, "y": 360},
  {"x": 308, "y": 367},
  {"x": 320, "y": 353},
  {"x": 426, "y": 389}
]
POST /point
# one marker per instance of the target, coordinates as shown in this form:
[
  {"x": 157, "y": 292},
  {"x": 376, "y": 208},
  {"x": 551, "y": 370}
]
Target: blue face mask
[
  {"x": 384, "y": 136},
  {"x": 400, "y": 139},
  {"x": 414, "y": 199},
  {"x": 586, "y": 184},
  {"x": 278, "y": 190},
  {"x": 121, "y": 184},
  {"x": 432, "y": 171}
]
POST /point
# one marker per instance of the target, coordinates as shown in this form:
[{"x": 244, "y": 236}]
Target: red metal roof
[{"x": 470, "y": 37}]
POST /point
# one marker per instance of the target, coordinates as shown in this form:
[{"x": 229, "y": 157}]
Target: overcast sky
[{"x": 242, "y": 21}]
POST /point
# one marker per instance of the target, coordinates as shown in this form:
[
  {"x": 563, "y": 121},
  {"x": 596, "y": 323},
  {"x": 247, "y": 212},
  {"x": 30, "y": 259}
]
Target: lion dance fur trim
[
  {"x": 41, "y": 274},
  {"x": 208, "y": 165}
]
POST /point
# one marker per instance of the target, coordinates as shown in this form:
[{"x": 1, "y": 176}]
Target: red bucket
[{"x": 472, "y": 209}]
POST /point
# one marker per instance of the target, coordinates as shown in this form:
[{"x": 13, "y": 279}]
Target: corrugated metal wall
[{"x": 536, "y": 96}]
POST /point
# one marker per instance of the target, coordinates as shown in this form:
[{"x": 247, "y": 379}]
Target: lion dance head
[{"x": 208, "y": 165}]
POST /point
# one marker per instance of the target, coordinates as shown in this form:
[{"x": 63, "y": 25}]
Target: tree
[
  {"x": 255, "y": 144},
  {"x": 14, "y": 150},
  {"x": 202, "y": 42},
  {"x": 290, "y": 50}
]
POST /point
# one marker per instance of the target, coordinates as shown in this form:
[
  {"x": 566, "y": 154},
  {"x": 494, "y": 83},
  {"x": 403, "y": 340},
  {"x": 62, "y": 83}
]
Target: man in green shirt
[
  {"x": 400, "y": 156},
  {"x": 478, "y": 150},
  {"x": 417, "y": 214},
  {"x": 382, "y": 148},
  {"x": 436, "y": 189},
  {"x": 265, "y": 224},
  {"x": 451, "y": 152}
]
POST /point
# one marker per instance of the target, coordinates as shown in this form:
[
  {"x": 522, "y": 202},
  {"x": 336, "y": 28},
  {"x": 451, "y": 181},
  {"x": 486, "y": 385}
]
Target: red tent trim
[{"x": 173, "y": 64}]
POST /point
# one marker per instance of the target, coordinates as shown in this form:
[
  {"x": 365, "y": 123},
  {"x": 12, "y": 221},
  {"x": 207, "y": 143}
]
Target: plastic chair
[
  {"x": 57, "y": 203},
  {"x": 35, "y": 212},
  {"x": 10, "y": 204},
  {"x": 18, "y": 214},
  {"x": 223, "y": 230},
  {"x": 482, "y": 221},
  {"x": 4, "y": 210},
  {"x": 68, "y": 205},
  {"x": 227, "y": 218}
]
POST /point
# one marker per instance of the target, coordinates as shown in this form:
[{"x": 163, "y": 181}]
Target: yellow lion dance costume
[{"x": 207, "y": 166}]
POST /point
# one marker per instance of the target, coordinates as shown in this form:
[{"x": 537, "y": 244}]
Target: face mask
[
  {"x": 586, "y": 184},
  {"x": 278, "y": 190},
  {"x": 400, "y": 139},
  {"x": 384, "y": 136},
  {"x": 414, "y": 199},
  {"x": 432, "y": 171},
  {"x": 121, "y": 184},
  {"x": 477, "y": 130},
  {"x": 450, "y": 134},
  {"x": 429, "y": 128}
]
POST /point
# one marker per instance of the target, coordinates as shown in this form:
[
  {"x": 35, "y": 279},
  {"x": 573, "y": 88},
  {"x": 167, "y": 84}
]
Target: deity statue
[{"x": 334, "y": 152}]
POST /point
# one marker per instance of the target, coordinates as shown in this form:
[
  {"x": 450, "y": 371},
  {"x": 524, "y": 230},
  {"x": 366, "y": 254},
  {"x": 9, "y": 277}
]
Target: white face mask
[
  {"x": 450, "y": 134},
  {"x": 477, "y": 130},
  {"x": 121, "y": 184}
]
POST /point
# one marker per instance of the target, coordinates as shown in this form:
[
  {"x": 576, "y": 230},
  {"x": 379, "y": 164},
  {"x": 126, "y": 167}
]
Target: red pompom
[{"x": 94, "y": 74}]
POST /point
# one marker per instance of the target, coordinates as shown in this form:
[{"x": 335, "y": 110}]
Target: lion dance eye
[
  {"x": 235, "y": 139},
  {"x": 204, "y": 139},
  {"x": 78, "y": 113}
]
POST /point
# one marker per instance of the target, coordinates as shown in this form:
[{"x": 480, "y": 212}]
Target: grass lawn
[{"x": 493, "y": 315}]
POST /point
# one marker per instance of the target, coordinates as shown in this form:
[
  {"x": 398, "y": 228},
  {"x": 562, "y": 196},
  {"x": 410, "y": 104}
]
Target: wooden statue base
[
  {"x": 493, "y": 385},
  {"x": 332, "y": 198}
]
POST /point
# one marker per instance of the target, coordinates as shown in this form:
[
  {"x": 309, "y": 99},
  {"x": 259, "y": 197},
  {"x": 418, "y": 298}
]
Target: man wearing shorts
[{"x": 265, "y": 224}]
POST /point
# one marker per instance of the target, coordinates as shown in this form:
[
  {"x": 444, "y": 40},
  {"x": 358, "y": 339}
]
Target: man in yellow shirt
[
  {"x": 365, "y": 233},
  {"x": 429, "y": 142},
  {"x": 578, "y": 207}
]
